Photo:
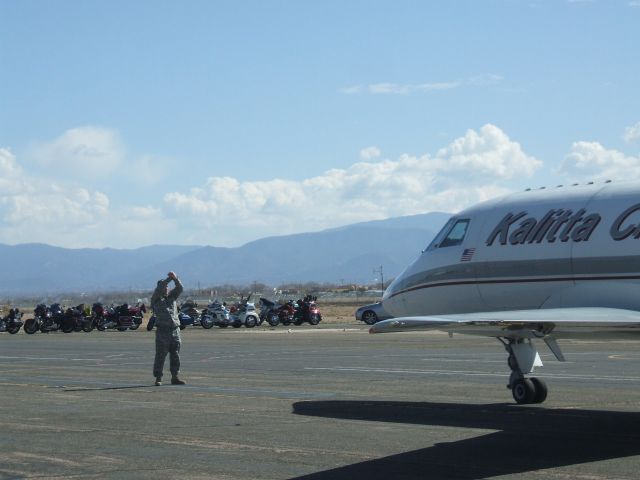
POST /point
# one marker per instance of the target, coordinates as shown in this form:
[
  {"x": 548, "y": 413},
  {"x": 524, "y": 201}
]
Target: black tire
[
  {"x": 223, "y": 325},
  {"x": 151, "y": 323},
  {"x": 369, "y": 317},
  {"x": 286, "y": 321},
  {"x": 100, "y": 326},
  {"x": 122, "y": 329},
  {"x": 541, "y": 390},
  {"x": 88, "y": 326},
  {"x": 315, "y": 319},
  {"x": 208, "y": 323},
  {"x": 273, "y": 319},
  {"x": 523, "y": 391},
  {"x": 250, "y": 321},
  {"x": 236, "y": 324},
  {"x": 13, "y": 329},
  {"x": 31, "y": 326},
  {"x": 182, "y": 327},
  {"x": 135, "y": 326}
]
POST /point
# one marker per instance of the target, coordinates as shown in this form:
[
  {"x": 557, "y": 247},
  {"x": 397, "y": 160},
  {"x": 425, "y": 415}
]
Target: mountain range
[{"x": 338, "y": 255}]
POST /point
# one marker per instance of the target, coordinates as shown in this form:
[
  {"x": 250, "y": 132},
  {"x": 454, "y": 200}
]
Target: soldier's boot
[{"x": 176, "y": 381}]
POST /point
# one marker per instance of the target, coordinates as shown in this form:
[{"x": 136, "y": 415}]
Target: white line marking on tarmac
[
  {"x": 467, "y": 373},
  {"x": 66, "y": 359}
]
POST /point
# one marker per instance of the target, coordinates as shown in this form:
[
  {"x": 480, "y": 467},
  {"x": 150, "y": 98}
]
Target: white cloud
[
  {"x": 591, "y": 161},
  {"x": 470, "y": 169},
  {"x": 228, "y": 211},
  {"x": 10, "y": 172},
  {"x": 485, "y": 79},
  {"x": 370, "y": 153},
  {"x": 352, "y": 89},
  {"x": 390, "y": 88},
  {"x": 489, "y": 152},
  {"x": 632, "y": 133},
  {"x": 35, "y": 209},
  {"x": 83, "y": 152},
  {"x": 404, "y": 89}
]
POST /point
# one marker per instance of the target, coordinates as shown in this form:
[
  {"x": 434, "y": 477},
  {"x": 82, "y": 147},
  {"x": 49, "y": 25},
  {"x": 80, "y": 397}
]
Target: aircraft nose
[{"x": 390, "y": 299}]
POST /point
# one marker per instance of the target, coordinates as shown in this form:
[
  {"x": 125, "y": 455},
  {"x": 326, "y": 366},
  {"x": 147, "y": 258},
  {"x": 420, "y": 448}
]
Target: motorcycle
[
  {"x": 216, "y": 313},
  {"x": 243, "y": 313},
  {"x": 121, "y": 317},
  {"x": 307, "y": 311},
  {"x": 190, "y": 315},
  {"x": 47, "y": 319},
  {"x": 286, "y": 312},
  {"x": 268, "y": 312},
  {"x": 74, "y": 319},
  {"x": 12, "y": 322}
]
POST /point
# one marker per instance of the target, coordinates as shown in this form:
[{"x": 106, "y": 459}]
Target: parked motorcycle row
[
  {"x": 290, "y": 312},
  {"x": 54, "y": 317},
  {"x": 244, "y": 313}
]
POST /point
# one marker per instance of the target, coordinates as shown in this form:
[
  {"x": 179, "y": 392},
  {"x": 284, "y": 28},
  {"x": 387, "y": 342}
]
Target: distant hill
[{"x": 348, "y": 253}]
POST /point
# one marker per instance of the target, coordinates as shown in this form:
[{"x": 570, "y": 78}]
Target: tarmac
[{"x": 313, "y": 403}]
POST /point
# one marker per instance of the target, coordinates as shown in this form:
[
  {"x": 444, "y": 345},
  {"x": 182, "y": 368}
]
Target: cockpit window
[
  {"x": 438, "y": 238},
  {"x": 456, "y": 234}
]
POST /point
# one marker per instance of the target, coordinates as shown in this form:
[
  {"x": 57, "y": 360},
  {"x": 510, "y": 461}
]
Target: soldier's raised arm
[{"x": 177, "y": 289}]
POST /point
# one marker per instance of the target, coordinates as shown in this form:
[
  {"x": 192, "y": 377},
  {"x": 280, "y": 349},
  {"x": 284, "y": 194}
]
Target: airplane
[{"x": 542, "y": 264}]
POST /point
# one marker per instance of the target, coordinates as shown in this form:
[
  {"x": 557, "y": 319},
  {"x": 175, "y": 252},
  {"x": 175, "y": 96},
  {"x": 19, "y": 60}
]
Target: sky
[{"x": 125, "y": 124}]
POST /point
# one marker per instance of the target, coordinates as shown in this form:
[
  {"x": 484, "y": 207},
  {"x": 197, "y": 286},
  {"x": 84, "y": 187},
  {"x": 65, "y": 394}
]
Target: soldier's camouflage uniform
[{"x": 167, "y": 327}]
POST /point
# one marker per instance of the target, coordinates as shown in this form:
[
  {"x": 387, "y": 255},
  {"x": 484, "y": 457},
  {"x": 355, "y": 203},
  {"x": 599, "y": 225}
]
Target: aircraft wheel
[
  {"x": 523, "y": 391},
  {"x": 541, "y": 390}
]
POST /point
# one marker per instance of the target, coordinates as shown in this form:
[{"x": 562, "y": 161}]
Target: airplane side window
[{"x": 456, "y": 234}]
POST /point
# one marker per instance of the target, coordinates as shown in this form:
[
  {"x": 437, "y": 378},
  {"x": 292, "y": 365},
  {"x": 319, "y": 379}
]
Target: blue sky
[{"x": 124, "y": 124}]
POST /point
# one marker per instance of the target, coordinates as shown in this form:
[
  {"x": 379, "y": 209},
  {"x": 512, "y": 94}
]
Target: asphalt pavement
[{"x": 323, "y": 403}]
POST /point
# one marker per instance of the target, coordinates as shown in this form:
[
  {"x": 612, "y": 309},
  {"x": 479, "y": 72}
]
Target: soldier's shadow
[
  {"x": 528, "y": 438},
  {"x": 90, "y": 389}
]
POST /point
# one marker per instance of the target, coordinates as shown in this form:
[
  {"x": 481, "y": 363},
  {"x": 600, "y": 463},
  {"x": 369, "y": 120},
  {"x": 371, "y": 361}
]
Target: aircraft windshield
[
  {"x": 438, "y": 238},
  {"x": 456, "y": 234}
]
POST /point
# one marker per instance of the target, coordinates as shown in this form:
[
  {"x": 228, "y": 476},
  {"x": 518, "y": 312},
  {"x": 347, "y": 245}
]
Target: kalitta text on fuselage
[{"x": 560, "y": 225}]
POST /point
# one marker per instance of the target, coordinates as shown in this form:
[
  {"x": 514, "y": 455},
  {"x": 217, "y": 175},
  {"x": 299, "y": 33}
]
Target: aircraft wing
[{"x": 560, "y": 322}]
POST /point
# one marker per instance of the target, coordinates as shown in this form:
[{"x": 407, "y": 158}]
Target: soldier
[{"x": 168, "y": 340}]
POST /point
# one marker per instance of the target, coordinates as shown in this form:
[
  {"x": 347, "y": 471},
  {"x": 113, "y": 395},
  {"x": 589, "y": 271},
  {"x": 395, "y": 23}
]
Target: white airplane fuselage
[{"x": 566, "y": 247}]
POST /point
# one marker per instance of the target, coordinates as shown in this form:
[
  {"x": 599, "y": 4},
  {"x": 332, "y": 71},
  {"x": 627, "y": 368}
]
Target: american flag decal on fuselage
[{"x": 467, "y": 254}]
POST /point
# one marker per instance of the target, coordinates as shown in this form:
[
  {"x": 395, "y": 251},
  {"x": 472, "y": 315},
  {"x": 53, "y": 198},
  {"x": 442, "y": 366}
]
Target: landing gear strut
[{"x": 523, "y": 357}]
